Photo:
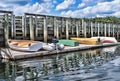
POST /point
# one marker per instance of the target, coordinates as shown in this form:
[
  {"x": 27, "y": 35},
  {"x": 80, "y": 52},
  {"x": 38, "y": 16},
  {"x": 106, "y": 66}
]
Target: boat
[
  {"x": 68, "y": 42},
  {"x": 32, "y": 46},
  {"x": 60, "y": 46},
  {"x": 107, "y": 39},
  {"x": 88, "y": 41},
  {"x": 49, "y": 47},
  {"x": 25, "y": 45}
]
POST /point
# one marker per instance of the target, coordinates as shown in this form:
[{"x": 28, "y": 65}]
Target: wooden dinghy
[
  {"x": 25, "y": 45},
  {"x": 89, "y": 41}
]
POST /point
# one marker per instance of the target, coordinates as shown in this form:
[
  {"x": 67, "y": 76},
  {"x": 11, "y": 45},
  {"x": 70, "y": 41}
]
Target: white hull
[
  {"x": 107, "y": 39},
  {"x": 24, "y": 45}
]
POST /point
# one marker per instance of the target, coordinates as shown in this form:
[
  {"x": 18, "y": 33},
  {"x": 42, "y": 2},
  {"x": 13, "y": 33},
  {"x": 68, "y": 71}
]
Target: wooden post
[
  {"x": 31, "y": 28},
  {"x": 117, "y": 32},
  {"x": 91, "y": 29},
  {"x": 105, "y": 29},
  {"x": 12, "y": 25},
  {"x": 95, "y": 27},
  {"x": 36, "y": 26},
  {"x": 57, "y": 29},
  {"x": 67, "y": 29},
  {"x": 98, "y": 28},
  {"x": 82, "y": 28},
  {"x": 24, "y": 26},
  {"x": 23, "y": 29},
  {"x": 6, "y": 30},
  {"x": 45, "y": 29},
  {"x": 77, "y": 27},
  {"x": 101, "y": 28},
  {"x": 85, "y": 29},
  {"x": 62, "y": 27},
  {"x": 54, "y": 24},
  {"x": 63, "y": 24},
  {"x": 72, "y": 26},
  {"x": 113, "y": 30},
  {"x": 109, "y": 30}
]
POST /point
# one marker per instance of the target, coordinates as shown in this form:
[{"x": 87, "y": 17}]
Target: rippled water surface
[{"x": 90, "y": 65}]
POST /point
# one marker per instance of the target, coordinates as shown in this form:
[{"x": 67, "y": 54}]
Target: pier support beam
[
  {"x": 72, "y": 25},
  {"x": 57, "y": 29},
  {"x": 36, "y": 26},
  {"x": 45, "y": 29},
  {"x": 101, "y": 28},
  {"x": 84, "y": 29},
  {"x": 98, "y": 27},
  {"x": 12, "y": 25},
  {"x": 77, "y": 27},
  {"x": 67, "y": 29},
  {"x": 14, "y": 30},
  {"x": 62, "y": 25},
  {"x": 25, "y": 27},
  {"x": 54, "y": 24},
  {"x": 95, "y": 28},
  {"x": 31, "y": 28},
  {"x": 109, "y": 29},
  {"x": 105, "y": 29},
  {"x": 113, "y": 30},
  {"x": 91, "y": 25},
  {"x": 6, "y": 29}
]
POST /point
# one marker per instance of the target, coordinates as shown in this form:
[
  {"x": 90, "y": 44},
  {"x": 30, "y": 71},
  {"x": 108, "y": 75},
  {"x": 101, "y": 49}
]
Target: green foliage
[{"x": 111, "y": 19}]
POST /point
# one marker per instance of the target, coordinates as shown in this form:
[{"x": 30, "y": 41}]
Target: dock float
[{"x": 7, "y": 53}]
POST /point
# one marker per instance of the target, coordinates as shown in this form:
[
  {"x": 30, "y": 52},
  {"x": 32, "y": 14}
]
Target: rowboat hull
[
  {"x": 68, "y": 42},
  {"x": 89, "y": 41},
  {"x": 107, "y": 39},
  {"x": 25, "y": 45}
]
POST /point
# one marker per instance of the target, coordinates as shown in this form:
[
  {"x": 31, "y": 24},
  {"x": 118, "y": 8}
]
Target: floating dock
[{"x": 7, "y": 53}]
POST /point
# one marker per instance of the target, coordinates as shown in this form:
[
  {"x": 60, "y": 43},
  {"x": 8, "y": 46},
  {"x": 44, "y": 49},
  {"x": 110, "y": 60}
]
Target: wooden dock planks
[{"x": 16, "y": 55}]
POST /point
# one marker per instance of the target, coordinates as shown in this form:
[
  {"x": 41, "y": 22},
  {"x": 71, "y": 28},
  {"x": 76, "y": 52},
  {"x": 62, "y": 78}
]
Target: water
[{"x": 90, "y": 65}]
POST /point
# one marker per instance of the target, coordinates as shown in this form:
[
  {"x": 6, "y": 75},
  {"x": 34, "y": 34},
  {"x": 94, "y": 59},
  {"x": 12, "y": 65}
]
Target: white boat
[
  {"x": 25, "y": 45},
  {"x": 49, "y": 47},
  {"x": 60, "y": 46},
  {"x": 107, "y": 39}
]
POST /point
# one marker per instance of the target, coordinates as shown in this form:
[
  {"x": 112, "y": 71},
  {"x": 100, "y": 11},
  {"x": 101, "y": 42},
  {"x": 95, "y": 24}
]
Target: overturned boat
[
  {"x": 88, "y": 41},
  {"x": 106, "y": 39}
]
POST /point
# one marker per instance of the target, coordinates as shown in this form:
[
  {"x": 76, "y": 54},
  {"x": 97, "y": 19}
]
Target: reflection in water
[{"x": 88, "y": 65}]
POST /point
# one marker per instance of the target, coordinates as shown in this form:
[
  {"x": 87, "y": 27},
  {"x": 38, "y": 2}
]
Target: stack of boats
[
  {"x": 29, "y": 45},
  {"x": 32, "y": 46}
]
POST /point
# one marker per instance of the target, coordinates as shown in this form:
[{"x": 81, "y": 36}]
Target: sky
[{"x": 64, "y": 8}]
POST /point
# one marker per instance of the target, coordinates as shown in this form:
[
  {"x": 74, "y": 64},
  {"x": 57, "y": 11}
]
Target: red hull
[{"x": 108, "y": 41}]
